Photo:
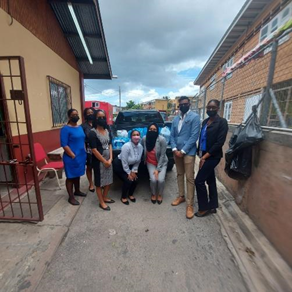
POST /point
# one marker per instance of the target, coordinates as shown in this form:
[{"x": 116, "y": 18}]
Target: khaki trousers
[{"x": 185, "y": 167}]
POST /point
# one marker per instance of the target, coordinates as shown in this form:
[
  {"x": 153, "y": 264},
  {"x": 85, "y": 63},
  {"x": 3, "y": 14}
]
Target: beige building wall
[
  {"x": 40, "y": 62},
  {"x": 161, "y": 104}
]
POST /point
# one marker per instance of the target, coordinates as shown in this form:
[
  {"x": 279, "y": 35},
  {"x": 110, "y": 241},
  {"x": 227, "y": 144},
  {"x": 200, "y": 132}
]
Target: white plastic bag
[{"x": 165, "y": 132}]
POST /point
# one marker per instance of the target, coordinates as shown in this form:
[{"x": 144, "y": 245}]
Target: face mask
[
  {"x": 136, "y": 139},
  {"x": 152, "y": 135},
  {"x": 101, "y": 122},
  {"x": 74, "y": 119},
  {"x": 184, "y": 108},
  {"x": 211, "y": 114},
  {"x": 90, "y": 117}
]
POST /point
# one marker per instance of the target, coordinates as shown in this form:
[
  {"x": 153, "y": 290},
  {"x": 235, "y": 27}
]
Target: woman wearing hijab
[
  {"x": 212, "y": 138},
  {"x": 126, "y": 166},
  {"x": 102, "y": 156},
  {"x": 156, "y": 160},
  {"x": 74, "y": 158},
  {"x": 87, "y": 126}
]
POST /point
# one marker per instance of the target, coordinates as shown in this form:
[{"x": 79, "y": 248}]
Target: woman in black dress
[
  {"x": 87, "y": 126},
  {"x": 212, "y": 138},
  {"x": 100, "y": 144}
]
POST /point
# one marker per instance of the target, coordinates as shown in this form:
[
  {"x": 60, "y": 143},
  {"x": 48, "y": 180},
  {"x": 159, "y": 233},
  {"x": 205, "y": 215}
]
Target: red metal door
[{"x": 20, "y": 197}]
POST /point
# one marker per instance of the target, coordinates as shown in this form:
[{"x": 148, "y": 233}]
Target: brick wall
[{"x": 266, "y": 195}]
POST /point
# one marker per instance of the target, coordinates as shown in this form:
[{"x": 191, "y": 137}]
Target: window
[
  {"x": 95, "y": 104},
  {"x": 202, "y": 89},
  {"x": 228, "y": 64},
  {"x": 283, "y": 93},
  {"x": 60, "y": 94},
  {"x": 274, "y": 25},
  {"x": 227, "y": 110},
  {"x": 249, "y": 103},
  {"x": 212, "y": 82},
  {"x": 264, "y": 32},
  {"x": 286, "y": 14},
  {"x": 279, "y": 20}
]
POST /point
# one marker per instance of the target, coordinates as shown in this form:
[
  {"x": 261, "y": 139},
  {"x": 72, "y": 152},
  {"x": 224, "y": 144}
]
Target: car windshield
[
  {"x": 163, "y": 115},
  {"x": 138, "y": 118}
]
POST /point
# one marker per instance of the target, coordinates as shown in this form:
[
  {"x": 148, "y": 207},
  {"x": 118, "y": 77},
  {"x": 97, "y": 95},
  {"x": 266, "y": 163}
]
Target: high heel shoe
[
  {"x": 105, "y": 209},
  {"x": 153, "y": 201}
]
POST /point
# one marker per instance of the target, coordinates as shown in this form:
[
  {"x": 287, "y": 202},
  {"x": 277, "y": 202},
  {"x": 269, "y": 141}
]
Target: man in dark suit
[{"x": 184, "y": 135}]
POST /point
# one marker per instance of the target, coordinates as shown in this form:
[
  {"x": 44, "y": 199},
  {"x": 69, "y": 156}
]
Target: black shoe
[
  {"x": 80, "y": 194},
  {"x": 132, "y": 200},
  {"x": 213, "y": 211},
  {"x": 91, "y": 190},
  {"x": 197, "y": 214},
  {"x": 159, "y": 202},
  {"x": 110, "y": 202},
  {"x": 105, "y": 209},
  {"x": 153, "y": 201},
  {"x": 73, "y": 202},
  {"x": 125, "y": 203}
]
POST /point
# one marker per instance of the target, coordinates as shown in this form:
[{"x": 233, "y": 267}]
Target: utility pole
[{"x": 120, "y": 98}]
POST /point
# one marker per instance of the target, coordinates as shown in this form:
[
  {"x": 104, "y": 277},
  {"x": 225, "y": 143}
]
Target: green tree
[
  {"x": 137, "y": 106},
  {"x": 130, "y": 104}
]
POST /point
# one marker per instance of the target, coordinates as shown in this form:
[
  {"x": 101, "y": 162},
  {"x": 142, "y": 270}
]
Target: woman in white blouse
[{"x": 126, "y": 166}]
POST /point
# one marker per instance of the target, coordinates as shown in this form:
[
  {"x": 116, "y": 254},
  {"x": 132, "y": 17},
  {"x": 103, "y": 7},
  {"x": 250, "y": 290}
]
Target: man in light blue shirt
[{"x": 184, "y": 135}]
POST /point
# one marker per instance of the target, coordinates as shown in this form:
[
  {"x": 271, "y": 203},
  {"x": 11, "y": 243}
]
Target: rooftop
[
  {"x": 81, "y": 23},
  {"x": 246, "y": 16}
]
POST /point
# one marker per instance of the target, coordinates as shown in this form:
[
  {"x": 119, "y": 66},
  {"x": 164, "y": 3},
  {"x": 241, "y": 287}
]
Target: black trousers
[
  {"x": 207, "y": 174},
  {"x": 128, "y": 185}
]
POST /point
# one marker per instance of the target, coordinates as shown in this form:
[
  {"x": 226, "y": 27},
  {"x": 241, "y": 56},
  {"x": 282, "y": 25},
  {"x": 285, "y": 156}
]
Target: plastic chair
[{"x": 40, "y": 156}]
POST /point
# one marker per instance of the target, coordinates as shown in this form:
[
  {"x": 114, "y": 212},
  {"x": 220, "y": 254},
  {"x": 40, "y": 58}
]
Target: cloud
[
  {"x": 189, "y": 90},
  {"x": 157, "y": 47}
]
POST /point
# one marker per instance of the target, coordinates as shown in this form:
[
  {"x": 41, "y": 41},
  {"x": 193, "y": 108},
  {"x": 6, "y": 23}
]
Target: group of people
[{"x": 89, "y": 147}]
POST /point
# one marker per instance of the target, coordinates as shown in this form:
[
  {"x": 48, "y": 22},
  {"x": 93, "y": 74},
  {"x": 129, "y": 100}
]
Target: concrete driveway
[{"x": 142, "y": 247}]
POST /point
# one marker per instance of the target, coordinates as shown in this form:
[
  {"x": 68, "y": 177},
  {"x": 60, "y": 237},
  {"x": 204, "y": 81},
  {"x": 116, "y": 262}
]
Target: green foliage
[{"x": 131, "y": 105}]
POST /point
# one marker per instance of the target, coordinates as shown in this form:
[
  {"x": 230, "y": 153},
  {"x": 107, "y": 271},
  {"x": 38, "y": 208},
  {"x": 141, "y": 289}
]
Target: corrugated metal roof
[
  {"x": 89, "y": 18},
  {"x": 246, "y": 16}
]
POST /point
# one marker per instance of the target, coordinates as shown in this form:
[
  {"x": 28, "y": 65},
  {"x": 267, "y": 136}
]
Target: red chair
[{"x": 41, "y": 156}]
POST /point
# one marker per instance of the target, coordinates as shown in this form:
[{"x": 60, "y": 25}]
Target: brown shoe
[
  {"x": 190, "y": 212},
  {"x": 178, "y": 201}
]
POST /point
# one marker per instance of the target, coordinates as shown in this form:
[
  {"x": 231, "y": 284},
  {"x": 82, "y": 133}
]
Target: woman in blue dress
[{"x": 72, "y": 140}]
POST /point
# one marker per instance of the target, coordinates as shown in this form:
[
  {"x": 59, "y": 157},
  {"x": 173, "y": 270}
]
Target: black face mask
[
  {"x": 184, "y": 108},
  {"x": 89, "y": 117},
  {"x": 211, "y": 114},
  {"x": 152, "y": 135},
  {"x": 74, "y": 119},
  {"x": 100, "y": 122},
  {"x": 151, "y": 138}
]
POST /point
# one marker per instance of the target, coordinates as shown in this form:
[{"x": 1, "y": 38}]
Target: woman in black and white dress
[{"x": 100, "y": 143}]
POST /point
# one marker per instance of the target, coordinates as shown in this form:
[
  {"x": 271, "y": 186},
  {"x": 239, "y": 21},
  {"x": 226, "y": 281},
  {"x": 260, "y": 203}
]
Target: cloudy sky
[{"x": 158, "y": 47}]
